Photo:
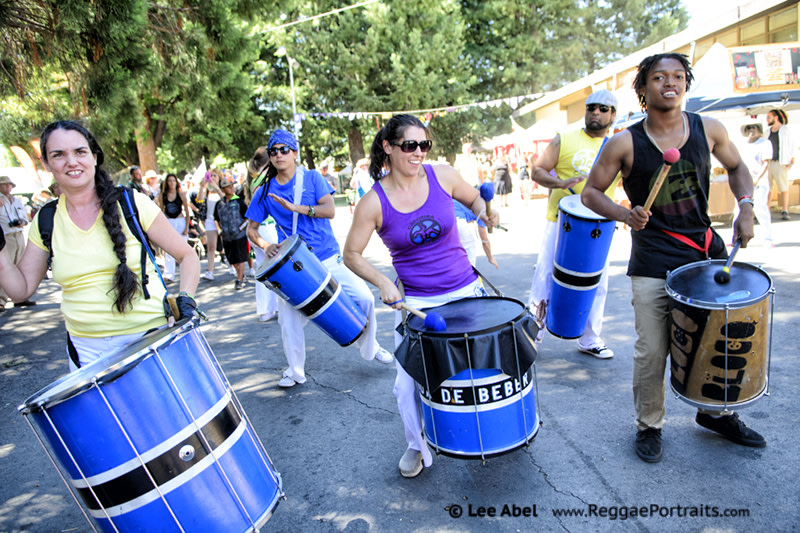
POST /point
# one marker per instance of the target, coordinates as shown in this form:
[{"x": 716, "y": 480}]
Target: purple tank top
[{"x": 426, "y": 251}]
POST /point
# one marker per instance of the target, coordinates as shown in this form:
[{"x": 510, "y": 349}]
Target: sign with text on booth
[{"x": 767, "y": 67}]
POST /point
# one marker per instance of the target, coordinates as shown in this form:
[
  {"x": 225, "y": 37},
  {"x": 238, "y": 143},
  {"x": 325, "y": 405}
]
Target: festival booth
[{"x": 739, "y": 86}]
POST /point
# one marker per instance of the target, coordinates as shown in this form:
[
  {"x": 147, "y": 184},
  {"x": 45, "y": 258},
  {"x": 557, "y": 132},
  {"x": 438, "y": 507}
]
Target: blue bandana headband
[{"x": 282, "y": 137}]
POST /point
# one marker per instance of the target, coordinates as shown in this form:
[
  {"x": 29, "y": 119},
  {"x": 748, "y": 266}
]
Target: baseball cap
[{"x": 602, "y": 97}]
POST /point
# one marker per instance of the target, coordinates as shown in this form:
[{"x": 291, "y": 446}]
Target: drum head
[
  {"x": 695, "y": 284},
  {"x": 471, "y": 315},
  {"x": 106, "y": 368},
  {"x": 285, "y": 250},
  {"x": 572, "y": 205}
]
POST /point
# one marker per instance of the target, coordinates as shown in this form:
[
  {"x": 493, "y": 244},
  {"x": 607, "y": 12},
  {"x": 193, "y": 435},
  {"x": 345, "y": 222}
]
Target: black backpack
[{"x": 47, "y": 214}]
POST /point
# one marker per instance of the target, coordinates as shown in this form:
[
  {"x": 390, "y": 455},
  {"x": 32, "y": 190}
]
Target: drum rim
[
  {"x": 492, "y": 329},
  {"x": 575, "y": 215},
  {"x": 104, "y": 369},
  {"x": 292, "y": 242},
  {"x": 705, "y": 304}
]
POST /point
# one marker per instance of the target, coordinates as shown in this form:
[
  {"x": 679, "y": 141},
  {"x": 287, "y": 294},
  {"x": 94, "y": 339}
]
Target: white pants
[
  {"x": 91, "y": 349},
  {"x": 760, "y": 207},
  {"x": 266, "y": 300},
  {"x": 169, "y": 262},
  {"x": 408, "y": 402},
  {"x": 467, "y": 234},
  {"x": 293, "y": 321},
  {"x": 542, "y": 288}
]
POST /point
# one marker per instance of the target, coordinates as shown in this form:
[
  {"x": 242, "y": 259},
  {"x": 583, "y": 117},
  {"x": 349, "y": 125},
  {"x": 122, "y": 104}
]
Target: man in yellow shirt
[{"x": 571, "y": 155}]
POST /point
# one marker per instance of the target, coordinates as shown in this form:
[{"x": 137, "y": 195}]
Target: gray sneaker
[{"x": 411, "y": 463}]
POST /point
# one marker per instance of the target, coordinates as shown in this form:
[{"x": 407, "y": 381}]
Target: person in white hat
[
  {"x": 13, "y": 219},
  {"x": 571, "y": 155}
]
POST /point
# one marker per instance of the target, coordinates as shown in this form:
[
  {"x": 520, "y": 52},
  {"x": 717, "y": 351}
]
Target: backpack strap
[
  {"x": 46, "y": 216},
  {"x": 131, "y": 213}
]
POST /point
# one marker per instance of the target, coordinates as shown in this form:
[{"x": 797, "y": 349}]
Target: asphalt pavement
[{"x": 336, "y": 440}]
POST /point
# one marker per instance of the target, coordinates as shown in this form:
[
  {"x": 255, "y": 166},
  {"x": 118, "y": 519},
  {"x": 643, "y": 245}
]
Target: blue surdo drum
[
  {"x": 301, "y": 279},
  {"x": 476, "y": 379},
  {"x": 152, "y": 438},
  {"x": 582, "y": 246}
]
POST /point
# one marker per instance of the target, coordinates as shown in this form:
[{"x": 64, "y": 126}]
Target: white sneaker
[
  {"x": 601, "y": 352},
  {"x": 232, "y": 271},
  {"x": 286, "y": 382},
  {"x": 209, "y": 276},
  {"x": 383, "y": 356},
  {"x": 411, "y": 463},
  {"x": 267, "y": 317},
  {"x": 252, "y": 272}
]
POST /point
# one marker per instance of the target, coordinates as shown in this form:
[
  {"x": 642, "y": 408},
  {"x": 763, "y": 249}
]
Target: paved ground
[{"x": 336, "y": 440}]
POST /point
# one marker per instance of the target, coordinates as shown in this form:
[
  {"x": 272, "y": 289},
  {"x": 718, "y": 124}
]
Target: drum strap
[
  {"x": 689, "y": 242},
  {"x": 73, "y": 353},
  {"x": 298, "y": 195},
  {"x": 487, "y": 282}
]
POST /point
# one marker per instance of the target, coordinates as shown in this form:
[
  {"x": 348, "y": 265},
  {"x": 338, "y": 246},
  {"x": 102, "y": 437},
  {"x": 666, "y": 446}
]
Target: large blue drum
[
  {"x": 298, "y": 277},
  {"x": 476, "y": 378},
  {"x": 582, "y": 245},
  {"x": 153, "y": 438}
]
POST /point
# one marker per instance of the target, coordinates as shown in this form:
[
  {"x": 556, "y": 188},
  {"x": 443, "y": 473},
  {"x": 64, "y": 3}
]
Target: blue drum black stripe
[
  {"x": 573, "y": 280},
  {"x": 321, "y": 299},
  {"x": 165, "y": 467}
]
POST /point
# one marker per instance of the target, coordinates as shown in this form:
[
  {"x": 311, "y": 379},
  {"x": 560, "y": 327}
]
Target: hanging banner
[{"x": 767, "y": 67}]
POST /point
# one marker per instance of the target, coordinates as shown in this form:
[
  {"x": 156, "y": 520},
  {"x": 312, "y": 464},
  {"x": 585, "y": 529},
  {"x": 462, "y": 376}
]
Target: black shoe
[
  {"x": 785, "y": 215},
  {"x": 26, "y": 303},
  {"x": 732, "y": 429},
  {"x": 237, "y": 285},
  {"x": 648, "y": 445}
]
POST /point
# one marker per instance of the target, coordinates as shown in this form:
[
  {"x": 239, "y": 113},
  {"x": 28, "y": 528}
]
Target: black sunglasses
[
  {"x": 603, "y": 108},
  {"x": 411, "y": 146},
  {"x": 283, "y": 149}
]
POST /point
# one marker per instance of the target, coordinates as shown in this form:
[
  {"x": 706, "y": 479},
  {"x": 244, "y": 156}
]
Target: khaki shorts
[{"x": 779, "y": 175}]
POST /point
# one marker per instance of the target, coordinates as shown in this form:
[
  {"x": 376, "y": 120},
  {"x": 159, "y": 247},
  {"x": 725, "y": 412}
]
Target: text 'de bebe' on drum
[
  {"x": 476, "y": 379},
  {"x": 152, "y": 438},
  {"x": 300, "y": 278},
  {"x": 720, "y": 334}
]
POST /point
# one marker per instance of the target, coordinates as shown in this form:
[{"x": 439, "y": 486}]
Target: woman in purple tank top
[{"x": 411, "y": 208}]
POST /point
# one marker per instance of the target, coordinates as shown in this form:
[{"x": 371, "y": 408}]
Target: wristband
[
  {"x": 746, "y": 200},
  {"x": 184, "y": 293},
  {"x": 311, "y": 211}
]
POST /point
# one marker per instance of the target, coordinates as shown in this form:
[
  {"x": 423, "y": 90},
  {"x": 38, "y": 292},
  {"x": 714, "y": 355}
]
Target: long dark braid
[{"x": 125, "y": 284}]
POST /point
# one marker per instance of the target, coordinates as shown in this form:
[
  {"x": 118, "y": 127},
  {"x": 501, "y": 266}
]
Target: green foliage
[{"x": 202, "y": 78}]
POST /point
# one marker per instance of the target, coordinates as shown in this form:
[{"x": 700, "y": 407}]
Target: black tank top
[
  {"x": 681, "y": 205},
  {"x": 172, "y": 209}
]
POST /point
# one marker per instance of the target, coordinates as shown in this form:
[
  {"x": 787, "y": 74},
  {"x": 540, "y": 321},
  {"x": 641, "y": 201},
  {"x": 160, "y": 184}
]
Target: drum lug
[
  {"x": 595, "y": 233},
  {"x": 567, "y": 227},
  {"x": 298, "y": 266},
  {"x": 186, "y": 453}
]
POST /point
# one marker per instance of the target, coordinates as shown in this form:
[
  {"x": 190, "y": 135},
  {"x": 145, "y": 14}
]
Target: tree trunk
[
  {"x": 146, "y": 146},
  {"x": 356, "y": 143}
]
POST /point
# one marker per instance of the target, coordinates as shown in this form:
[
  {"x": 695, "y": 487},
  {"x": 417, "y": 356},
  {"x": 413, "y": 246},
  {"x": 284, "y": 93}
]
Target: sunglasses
[
  {"x": 283, "y": 150},
  {"x": 603, "y": 108},
  {"x": 411, "y": 146}
]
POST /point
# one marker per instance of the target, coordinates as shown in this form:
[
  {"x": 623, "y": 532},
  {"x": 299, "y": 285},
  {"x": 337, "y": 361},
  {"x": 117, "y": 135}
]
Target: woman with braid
[{"x": 95, "y": 257}]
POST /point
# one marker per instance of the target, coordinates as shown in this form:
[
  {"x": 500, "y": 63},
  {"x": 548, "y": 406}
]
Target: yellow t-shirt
[
  {"x": 576, "y": 157},
  {"x": 84, "y": 263}
]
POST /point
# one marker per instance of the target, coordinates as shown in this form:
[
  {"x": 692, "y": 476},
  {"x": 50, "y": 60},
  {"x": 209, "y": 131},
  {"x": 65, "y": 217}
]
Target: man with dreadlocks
[
  {"x": 676, "y": 231},
  {"x": 782, "y": 157}
]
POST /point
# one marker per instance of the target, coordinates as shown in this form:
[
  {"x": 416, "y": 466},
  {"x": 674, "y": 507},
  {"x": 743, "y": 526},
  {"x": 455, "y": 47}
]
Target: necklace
[{"x": 685, "y": 123}]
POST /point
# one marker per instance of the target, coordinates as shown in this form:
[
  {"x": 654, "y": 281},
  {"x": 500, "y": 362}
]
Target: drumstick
[
  {"x": 724, "y": 275},
  {"x": 487, "y": 193},
  {"x": 173, "y": 306},
  {"x": 671, "y": 157},
  {"x": 433, "y": 321}
]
